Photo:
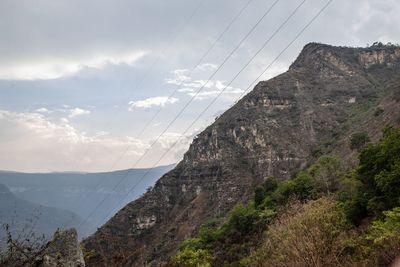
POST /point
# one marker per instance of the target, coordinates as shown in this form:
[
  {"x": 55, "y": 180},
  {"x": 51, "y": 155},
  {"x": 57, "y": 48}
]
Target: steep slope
[
  {"x": 281, "y": 126},
  {"x": 81, "y": 192}
]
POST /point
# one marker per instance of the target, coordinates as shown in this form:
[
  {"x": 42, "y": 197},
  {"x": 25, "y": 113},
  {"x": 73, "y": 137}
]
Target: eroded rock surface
[
  {"x": 278, "y": 128},
  {"x": 63, "y": 251}
]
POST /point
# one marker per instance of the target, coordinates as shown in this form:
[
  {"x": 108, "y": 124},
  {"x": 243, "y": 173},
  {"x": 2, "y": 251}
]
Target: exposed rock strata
[{"x": 277, "y": 129}]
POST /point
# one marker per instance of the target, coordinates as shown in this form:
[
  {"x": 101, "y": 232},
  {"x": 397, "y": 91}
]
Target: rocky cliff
[
  {"x": 327, "y": 94},
  {"x": 63, "y": 251}
]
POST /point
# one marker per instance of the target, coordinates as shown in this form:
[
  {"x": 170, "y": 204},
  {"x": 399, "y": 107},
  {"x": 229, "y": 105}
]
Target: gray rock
[
  {"x": 277, "y": 129},
  {"x": 63, "y": 251}
]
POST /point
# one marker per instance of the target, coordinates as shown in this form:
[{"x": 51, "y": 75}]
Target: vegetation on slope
[{"x": 324, "y": 216}]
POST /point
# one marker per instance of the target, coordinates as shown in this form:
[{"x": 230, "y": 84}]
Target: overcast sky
[{"x": 79, "y": 80}]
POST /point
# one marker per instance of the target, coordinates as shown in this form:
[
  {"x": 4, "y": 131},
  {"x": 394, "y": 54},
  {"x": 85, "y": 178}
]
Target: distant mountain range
[
  {"x": 24, "y": 217},
  {"x": 70, "y": 197}
]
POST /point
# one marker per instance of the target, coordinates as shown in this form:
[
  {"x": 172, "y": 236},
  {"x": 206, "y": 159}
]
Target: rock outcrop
[
  {"x": 327, "y": 94},
  {"x": 63, "y": 251}
]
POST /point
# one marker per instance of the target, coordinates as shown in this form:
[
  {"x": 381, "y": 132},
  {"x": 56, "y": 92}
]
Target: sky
[{"x": 97, "y": 85}]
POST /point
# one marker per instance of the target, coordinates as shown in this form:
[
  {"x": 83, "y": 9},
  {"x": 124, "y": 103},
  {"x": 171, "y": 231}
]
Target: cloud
[
  {"x": 152, "y": 102},
  {"x": 207, "y": 66},
  {"x": 42, "y": 110},
  {"x": 65, "y": 109},
  {"x": 77, "y": 112},
  {"x": 212, "y": 88},
  {"x": 31, "y": 141},
  {"x": 60, "y": 67}
]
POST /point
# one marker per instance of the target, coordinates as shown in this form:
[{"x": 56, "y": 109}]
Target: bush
[
  {"x": 380, "y": 244},
  {"x": 349, "y": 198},
  {"x": 242, "y": 220},
  {"x": 379, "y": 173},
  {"x": 377, "y": 179},
  {"x": 326, "y": 173},
  {"x": 311, "y": 234},
  {"x": 264, "y": 190},
  {"x": 192, "y": 258},
  {"x": 358, "y": 141},
  {"x": 378, "y": 111},
  {"x": 259, "y": 195},
  {"x": 302, "y": 187}
]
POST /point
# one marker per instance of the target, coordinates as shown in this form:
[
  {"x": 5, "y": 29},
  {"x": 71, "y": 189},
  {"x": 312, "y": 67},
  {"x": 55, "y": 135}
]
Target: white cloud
[
  {"x": 152, "y": 102},
  {"x": 179, "y": 77},
  {"x": 186, "y": 90},
  {"x": 200, "y": 87},
  {"x": 59, "y": 67},
  {"x": 207, "y": 67},
  {"x": 77, "y": 112},
  {"x": 31, "y": 141},
  {"x": 66, "y": 109},
  {"x": 42, "y": 110}
]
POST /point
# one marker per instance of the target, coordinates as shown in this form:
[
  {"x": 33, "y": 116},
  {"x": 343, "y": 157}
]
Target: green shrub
[
  {"x": 379, "y": 173},
  {"x": 259, "y": 195},
  {"x": 264, "y": 190},
  {"x": 377, "y": 178},
  {"x": 192, "y": 258},
  {"x": 242, "y": 219},
  {"x": 381, "y": 243},
  {"x": 311, "y": 234},
  {"x": 301, "y": 187},
  {"x": 358, "y": 141},
  {"x": 349, "y": 198},
  {"x": 326, "y": 173},
  {"x": 378, "y": 111}
]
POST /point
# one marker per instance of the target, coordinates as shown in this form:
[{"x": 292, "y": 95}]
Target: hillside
[
  {"x": 81, "y": 192},
  {"x": 281, "y": 127},
  {"x": 25, "y": 218}
]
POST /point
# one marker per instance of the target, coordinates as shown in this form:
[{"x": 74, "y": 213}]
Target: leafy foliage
[
  {"x": 192, "y": 257},
  {"x": 304, "y": 235},
  {"x": 308, "y": 220},
  {"x": 378, "y": 176},
  {"x": 359, "y": 140}
]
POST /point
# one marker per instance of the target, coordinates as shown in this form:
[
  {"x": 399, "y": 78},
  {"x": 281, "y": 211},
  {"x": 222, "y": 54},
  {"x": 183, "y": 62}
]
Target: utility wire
[
  {"x": 227, "y": 86},
  {"x": 140, "y": 82},
  {"x": 249, "y": 87},
  {"x": 151, "y": 67},
  {"x": 190, "y": 101},
  {"x": 178, "y": 86}
]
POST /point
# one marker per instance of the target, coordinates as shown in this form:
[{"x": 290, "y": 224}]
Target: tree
[
  {"x": 265, "y": 189},
  {"x": 326, "y": 173},
  {"x": 378, "y": 175},
  {"x": 358, "y": 141},
  {"x": 384, "y": 239},
  {"x": 308, "y": 234}
]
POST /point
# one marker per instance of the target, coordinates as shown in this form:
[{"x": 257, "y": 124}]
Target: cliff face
[
  {"x": 63, "y": 251},
  {"x": 326, "y": 95}
]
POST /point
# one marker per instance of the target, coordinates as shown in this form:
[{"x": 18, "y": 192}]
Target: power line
[
  {"x": 249, "y": 87},
  {"x": 153, "y": 64},
  {"x": 178, "y": 86},
  {"x": 143, "y": 78},
  {"x": 191, "y": 99},
  {"x": 199, "y": 61},
  {"x": 222, "y": 91}
]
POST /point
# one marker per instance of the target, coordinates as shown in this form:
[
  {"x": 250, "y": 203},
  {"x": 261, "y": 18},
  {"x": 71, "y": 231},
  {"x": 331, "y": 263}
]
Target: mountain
[
  {"x": 282, "y": 126},
  {"x": 24, "y": 217},
  {"x": 81, "y": 192}
]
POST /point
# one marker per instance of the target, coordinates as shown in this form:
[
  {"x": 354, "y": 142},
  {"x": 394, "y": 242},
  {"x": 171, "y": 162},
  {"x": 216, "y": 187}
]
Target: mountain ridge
[
  {"x": 22, "y": 215},
  {"x": 81, "y": 192},
  {"x": 275, "y": 130}
]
